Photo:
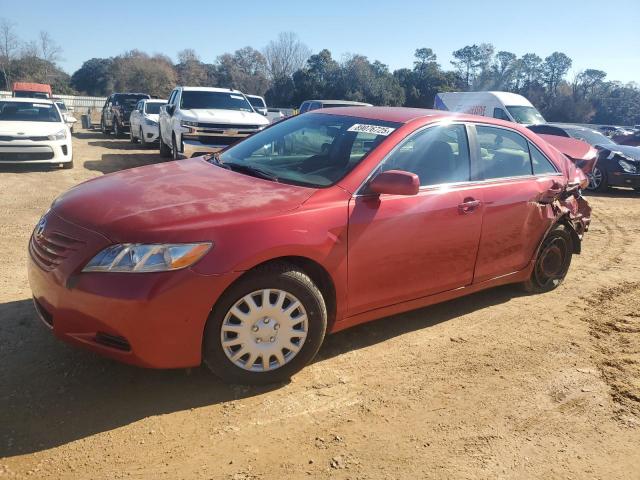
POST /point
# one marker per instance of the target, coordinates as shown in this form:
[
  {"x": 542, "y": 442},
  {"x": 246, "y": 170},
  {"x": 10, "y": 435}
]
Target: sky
[{"x": 594, "y": 33}]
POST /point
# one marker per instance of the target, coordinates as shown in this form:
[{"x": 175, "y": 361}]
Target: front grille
[
  {"x": 224, "y": 126},
  {"x": 113, "y": 341},
  {"x": 218, "y": 140},
  {"x": 10, "y": 138},
  {"x": 49, "y": 249},
  {"x": 44, "y": 314},
  {"x": 17, "y": 156}
]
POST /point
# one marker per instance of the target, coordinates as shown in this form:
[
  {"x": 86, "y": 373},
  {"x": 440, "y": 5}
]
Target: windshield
[
  {"x": 28, "y": 112},
  {"x": 218, "y": 100},
  {"x": 591, "y": 137},
  {"x": 256, "y": 102},
  {"x": 526, "y": 115},
  {"x": 62, "y": 107},
  {"x": 153, "y": 108},
  {"x": 310, "y": 150}
]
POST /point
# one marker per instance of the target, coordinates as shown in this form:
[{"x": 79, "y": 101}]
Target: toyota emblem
[{"x": 40, "y": 227}]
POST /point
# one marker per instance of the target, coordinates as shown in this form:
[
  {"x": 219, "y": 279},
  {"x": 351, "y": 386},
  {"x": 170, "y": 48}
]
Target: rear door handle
[{"x": 469, "y": 205}]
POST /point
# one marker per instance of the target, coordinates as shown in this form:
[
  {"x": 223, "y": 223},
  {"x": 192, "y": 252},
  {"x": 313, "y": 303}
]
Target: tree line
[{"x": 286, "y": 72}]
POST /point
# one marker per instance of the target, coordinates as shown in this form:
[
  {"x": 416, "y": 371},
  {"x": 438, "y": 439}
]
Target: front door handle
[{"x": 469, "y": 205}]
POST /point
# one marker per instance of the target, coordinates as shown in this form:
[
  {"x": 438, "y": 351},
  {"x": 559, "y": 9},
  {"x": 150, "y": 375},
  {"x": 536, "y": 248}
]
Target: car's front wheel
[
  {"x": 165, "y": 151},
  {"x": 552, "y": 262},
  {"x": 265, "y": 327},
  {"x": 143, "y": 142},
  {"x": 132, "y": 137},
  {"x": 598, "y": 180}
]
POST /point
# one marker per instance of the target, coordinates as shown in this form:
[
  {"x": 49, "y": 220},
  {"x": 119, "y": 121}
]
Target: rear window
[
  {"x": 28, "y": 112},
  {"x": 257, "y": 102},
  {"x": 214, "y": 100},
  {"x": 128, "y": 100}
]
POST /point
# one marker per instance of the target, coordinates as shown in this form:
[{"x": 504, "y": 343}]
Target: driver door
[{"x": 406, "y": 247}]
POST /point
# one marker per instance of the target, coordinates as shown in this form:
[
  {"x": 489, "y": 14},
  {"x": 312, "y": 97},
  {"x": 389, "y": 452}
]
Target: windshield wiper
[
  {"x": 239, "y": 167},
  {"x": 250, "y": 170}
]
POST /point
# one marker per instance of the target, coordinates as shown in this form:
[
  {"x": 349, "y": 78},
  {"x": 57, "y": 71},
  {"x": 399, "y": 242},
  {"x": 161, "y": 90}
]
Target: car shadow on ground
[
  {"x": 110, "y": 163},
  {"x": 53, "y": 394},
  {"x": 28, "y": 167}
]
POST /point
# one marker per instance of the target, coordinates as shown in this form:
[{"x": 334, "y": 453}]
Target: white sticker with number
[{"x": 373, "y": 129}]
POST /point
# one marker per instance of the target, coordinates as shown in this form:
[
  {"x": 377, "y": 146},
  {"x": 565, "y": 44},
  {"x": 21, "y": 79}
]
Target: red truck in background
[{"x": 31, "y": 90}]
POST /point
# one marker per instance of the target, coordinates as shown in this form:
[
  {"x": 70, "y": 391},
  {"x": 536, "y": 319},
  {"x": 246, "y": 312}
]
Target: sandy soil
[{"x": 495, "y": 385}]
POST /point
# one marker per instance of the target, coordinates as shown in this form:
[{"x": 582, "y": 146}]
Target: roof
[
  {"x": 26, "y": 100},
  {"x": 210, "y": 89},
  {"x": 31, "y": 87},
  {"x": 390, "y": 114},
  {"x": 507, "y": 98},
  {"x": 344, "y": 102}
]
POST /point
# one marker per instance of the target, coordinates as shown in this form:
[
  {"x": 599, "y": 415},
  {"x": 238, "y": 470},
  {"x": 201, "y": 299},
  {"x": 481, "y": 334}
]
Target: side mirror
[
  {"x": 395, "y": 182},
  {"x": 171, "y": 109}
]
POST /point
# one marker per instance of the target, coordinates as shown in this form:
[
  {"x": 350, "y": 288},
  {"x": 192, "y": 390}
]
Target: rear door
[
  {"x": 406, "y": 247},
  {"x": 513, "y": 185}
]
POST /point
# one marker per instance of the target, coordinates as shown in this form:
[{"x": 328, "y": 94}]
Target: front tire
[
  {"x": 132, "y": 137},
  {"x": 552, "y": 262},
  {"x": 143, "y": 142},
  {"x": 265, "y": 327},
  {"x": 598, "y": 180},
  {"x": 68, "y": 165},
  {"x": 165, "y": 151},
  {"x": 175, "y": 151}
]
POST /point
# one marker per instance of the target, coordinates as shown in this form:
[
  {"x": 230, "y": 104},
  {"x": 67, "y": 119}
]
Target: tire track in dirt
[{"x": 614, "y": 322}]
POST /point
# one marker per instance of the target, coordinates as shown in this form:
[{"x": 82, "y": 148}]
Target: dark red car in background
[{"x": 246, "y": 259}]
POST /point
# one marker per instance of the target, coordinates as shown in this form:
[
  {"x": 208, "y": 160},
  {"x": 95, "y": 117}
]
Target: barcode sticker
[{"x": 373, "y": 129}]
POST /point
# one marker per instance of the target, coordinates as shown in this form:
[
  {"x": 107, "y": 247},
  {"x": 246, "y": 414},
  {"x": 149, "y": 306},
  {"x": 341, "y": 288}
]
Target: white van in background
[{"x": 503, "y": 105}]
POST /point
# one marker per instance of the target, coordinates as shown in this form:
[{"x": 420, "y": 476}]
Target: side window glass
[
  {"x": 438, "y": 155},
  {"x": 500, "y": 114},
  {"x": 541, "y": 164},
  {"x": 304, "y": 107},
  {"x": 314, "y": 106},
  {"x": 503, "y": 153}
]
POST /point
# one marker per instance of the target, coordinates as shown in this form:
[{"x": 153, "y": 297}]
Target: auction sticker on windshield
[{"x": 373, "y": 129}]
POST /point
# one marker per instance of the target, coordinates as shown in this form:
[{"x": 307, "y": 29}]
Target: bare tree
[
  {"x": 285, "y": 55},
  {"x": 50, "y": 51},
  {"x": 9, "y": 45}
]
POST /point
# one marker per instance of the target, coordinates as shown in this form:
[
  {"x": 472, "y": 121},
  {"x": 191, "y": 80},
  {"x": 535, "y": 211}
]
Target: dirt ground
[{"x": 494, "y": 385}]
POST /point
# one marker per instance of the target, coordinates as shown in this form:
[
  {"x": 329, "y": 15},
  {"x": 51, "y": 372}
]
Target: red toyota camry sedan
[{"x": 246, "y": 259}]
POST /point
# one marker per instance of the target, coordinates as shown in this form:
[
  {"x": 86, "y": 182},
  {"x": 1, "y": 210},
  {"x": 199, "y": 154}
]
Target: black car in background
[
  {"x": 617, "y": 165},
  {"x": 116, "y": 112}
]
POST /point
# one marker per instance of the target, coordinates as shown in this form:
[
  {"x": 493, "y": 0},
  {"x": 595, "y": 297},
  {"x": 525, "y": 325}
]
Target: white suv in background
[
  {"x": 199, "y": 120},
  {"x": 33, "y": 130},
  {"x": 143, "y": 122}
]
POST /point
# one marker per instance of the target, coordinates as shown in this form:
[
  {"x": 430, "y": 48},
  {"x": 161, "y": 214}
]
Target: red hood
[
  {"x": 173, "y": 201},
  {"x": 580, "y": 153}
]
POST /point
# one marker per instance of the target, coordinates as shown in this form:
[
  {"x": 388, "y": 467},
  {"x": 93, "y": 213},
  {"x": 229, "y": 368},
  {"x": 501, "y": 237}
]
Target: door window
[
  {"x": 501, "y": 114},
  {"x": 503, "y": 153},
  {"x": 438, "y": 155},
  {"x": 541, "y": 164}
]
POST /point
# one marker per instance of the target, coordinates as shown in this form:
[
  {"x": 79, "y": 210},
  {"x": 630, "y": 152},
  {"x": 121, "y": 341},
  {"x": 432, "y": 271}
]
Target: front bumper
[
  {"x": 194, "y": 148},
  {"x": 50, "y": 152},
  {"x": 151, "y": 320},
  {"x": 151, "y": 133}
]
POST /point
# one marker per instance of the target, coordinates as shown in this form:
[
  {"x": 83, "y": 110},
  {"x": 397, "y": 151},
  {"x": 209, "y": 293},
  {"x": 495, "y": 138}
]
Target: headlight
[
  {"x": 151, "y": 123},
  {"x": 139, "y": 258},
  {"x": 61, "y": 135},
  {"x": 189, "y": 124},
  {"x": 627, "y": 166}
]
